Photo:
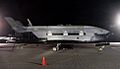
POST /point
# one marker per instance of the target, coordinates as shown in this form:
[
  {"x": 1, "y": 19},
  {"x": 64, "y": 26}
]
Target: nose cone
[
  {"x": 106, "y": 31},
  {"x": 109, "y": 33}
]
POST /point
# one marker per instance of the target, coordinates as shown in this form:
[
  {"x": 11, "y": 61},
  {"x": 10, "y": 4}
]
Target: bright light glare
[{"x": 117, "y": 20}]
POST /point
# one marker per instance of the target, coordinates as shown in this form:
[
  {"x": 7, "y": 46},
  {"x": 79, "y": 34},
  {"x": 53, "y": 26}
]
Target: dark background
[
  {"x": 54, "y": 12},
  {"x": 99, "y": 13}
]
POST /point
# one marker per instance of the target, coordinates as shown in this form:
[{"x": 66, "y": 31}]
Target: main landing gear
[{"x": 57, "y": 47}]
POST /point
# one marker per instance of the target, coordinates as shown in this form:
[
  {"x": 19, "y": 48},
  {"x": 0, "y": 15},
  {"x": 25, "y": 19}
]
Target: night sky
[{"x": 54, "y": 12}]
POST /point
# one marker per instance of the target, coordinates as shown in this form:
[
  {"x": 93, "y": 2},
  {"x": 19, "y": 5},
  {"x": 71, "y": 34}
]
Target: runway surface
[{"x": 29, "y": 56}]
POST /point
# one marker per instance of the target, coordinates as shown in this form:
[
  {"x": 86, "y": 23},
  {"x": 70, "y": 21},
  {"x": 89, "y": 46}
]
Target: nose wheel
[{"x": 100, "y": 49}]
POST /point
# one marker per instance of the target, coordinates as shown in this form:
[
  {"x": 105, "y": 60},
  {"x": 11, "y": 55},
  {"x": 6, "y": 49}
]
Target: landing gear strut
[
  {"x": 100, "y": 49},
  {"x": 101, "y": 46},
  {"x": 57, "y": 47}
]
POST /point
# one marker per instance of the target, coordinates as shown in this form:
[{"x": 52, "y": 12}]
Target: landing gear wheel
[
  {"x": 57, "y": 47},
  {"x": 54, "y": 49},
  {"x": 100, "y": 49}
]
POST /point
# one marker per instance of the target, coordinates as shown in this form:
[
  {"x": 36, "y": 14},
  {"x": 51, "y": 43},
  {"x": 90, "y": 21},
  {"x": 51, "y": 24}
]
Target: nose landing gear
[{"x": 101, "y": 48}]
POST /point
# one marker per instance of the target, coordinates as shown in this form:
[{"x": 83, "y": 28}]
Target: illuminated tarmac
[{"x": 29, "y": 57}]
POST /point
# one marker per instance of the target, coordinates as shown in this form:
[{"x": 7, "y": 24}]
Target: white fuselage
[{"x": 74, "y": 33}]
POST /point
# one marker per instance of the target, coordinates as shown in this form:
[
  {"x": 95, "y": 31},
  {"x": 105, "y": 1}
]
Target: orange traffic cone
[{"x": 43, "y": 61}]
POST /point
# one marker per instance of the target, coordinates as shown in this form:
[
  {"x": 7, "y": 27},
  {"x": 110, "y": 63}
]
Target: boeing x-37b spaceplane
[{"x": 62, "y": 33}]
